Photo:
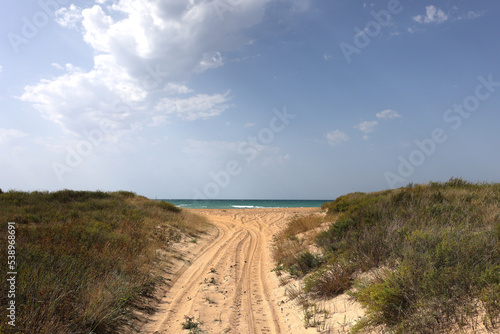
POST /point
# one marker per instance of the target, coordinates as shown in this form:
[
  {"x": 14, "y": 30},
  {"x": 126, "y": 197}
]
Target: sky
[{"x": 250, "y": 99}]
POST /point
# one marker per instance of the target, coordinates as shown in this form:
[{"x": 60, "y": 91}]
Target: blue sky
[{"x": 287, "y": 99}]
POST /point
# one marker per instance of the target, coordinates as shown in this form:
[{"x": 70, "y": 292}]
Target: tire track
[
  {"x": 220, "y": 260},
  {"x": 227, "y": 288},
  {"x": 190, "y": 275}
]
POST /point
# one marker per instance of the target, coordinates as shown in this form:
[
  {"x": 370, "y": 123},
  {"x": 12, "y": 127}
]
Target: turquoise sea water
[{"x": 244, "y": 203}]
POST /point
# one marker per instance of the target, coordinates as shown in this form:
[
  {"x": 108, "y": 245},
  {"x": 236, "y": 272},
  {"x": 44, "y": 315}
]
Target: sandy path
[{"x": 229, "y": 286}]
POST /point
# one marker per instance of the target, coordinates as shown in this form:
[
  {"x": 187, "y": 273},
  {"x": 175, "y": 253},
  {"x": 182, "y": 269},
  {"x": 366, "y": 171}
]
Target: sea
[{"x": 244, "y": 203}]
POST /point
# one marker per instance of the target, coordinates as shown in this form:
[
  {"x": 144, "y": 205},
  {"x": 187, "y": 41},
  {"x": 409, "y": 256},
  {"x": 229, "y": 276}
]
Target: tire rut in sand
[
  {"x": 185, "y": 284},
  {"x": 226, "y": 288}
]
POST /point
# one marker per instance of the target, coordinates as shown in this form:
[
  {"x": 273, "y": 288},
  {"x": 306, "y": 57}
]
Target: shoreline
[
  {"x": 245, "y": 204},
  {"x": 257, "y": 208}
]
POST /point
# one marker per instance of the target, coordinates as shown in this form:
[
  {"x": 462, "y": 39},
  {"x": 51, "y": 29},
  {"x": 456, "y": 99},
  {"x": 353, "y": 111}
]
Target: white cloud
[
  {"x": 199, "y": 106},
  {"x": 210, "y": 60},
  {"x": 366, "y": 127},
  {"x": 181, "y": 36},
  {"x": 80, "y": 100},
  {"x": 57, "y": 65},
  {"x": 436, "y": 15},
  {"x": 336, "y": 137},
  {"x": 470, "y": 15},
  {"x": 249, "y": 125},
  {"x": 9, "y": 134},
  {"x": 173, "y": 88},
  {"x": 143, "y": 50},
  {"x": 68, "y": 17},
  {"x": 388, "y": 114},
  {"x": 432, "y": 15},
  {"x": 473, "y": 15}
]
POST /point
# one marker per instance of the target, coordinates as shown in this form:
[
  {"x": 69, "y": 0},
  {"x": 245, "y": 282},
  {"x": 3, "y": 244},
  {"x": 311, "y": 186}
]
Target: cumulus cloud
[
  {"x": 181, "y": 36},
  {"x": 436, "y": 15},
  {"x": 388, "y": 114},
  {"x": 8, "y": 134},
  {"x": 432, "y": 15},
  {"x": 68, "y": 17},
  {"x": 144, "y": 50},
  {"x": 336, "y": 137},
  {"x": 366, "y": 127},
  {"x": 80, "y": 100}
]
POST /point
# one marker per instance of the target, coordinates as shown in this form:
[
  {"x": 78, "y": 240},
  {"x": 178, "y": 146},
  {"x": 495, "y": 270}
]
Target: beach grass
[
  {"x": 85, "y": 259},
  {"x": 420, "y": 259}
]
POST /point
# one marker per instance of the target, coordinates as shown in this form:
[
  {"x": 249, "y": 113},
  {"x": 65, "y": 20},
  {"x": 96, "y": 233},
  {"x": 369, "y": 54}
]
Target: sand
[{"x": 227, "y": 285}]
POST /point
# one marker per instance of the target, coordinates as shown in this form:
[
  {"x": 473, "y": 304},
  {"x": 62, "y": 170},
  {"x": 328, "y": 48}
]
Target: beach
[{"x": 227, "y": 285}]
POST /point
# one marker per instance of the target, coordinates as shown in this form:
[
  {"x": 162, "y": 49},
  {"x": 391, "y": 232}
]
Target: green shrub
[
  {"x": 386, "y": 300},
  {"x": 330, "y": 239},
  {"x": 330, "y": 280},
  {"x": 170, "y": 207},
  {"x": 126, "y": 194},
  {"x": 307, "y": 261},
  {"x": 190, "y": 323}
]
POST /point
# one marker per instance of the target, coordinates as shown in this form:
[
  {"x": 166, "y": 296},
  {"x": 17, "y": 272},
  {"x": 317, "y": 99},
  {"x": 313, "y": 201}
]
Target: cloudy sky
[{"x": 291, "y": 99}]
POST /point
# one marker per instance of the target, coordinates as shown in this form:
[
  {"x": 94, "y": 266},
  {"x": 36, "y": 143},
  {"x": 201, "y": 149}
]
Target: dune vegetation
[
  {"x": 420, "y": 259},
  {"x": 86, "y": 260}
]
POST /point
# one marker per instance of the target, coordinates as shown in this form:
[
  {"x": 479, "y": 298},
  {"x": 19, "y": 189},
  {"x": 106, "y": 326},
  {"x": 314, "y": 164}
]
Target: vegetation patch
[
  {"x": 435, "y": 249},
  {"x": 170, "y": 207},
  {"x": 85, "y": 259}
]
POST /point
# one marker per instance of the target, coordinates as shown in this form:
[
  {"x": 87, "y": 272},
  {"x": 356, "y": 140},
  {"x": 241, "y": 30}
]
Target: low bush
[
  {"x": 304, "y": 263},
  {"x": 330, "y": 280},
  {"x": 170, "y": 207},
  {"x": 84, "y": 259},
  {"x": 291, "y": 248}
]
